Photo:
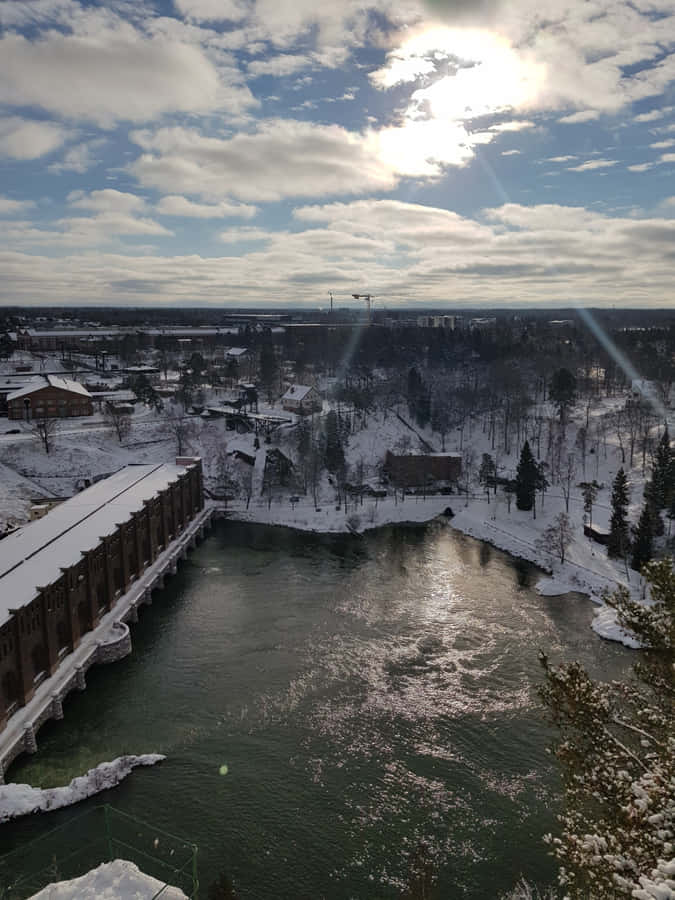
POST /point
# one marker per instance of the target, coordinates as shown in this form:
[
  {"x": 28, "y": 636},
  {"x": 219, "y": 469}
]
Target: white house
[{"x": 302, "y": 399}]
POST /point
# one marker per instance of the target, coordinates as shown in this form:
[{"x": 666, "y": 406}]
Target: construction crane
[{"x": 367, "y": 298}]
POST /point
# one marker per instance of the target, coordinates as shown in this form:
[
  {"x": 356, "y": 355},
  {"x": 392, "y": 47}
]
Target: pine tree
[
  {"x": 643, "y": 536},
  {"x": 335, "y": 455},
  {"x": 527, "y": 478},
  {"x": 618, "y": 542},
  {"x": 663, "y": 472},
  {"x": 616, "y": 754}
]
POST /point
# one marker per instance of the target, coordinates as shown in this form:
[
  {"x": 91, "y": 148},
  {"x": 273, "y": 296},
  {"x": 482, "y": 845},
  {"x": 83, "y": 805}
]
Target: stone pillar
[
  {"x": 133, "y": 613},
  {"x": 138, "y": 540},
  {"x": 29, "y": 742},
  {"x": 147, "y": 597},
  {"x": 2, "y": 773},
  {"x": 49, "y": 626},
  {"x": 24, "y": 667},
  {"x": 124, "y": 562},
  {"x": 80, "y": 680},
  {"x": 57, "y": 707}
]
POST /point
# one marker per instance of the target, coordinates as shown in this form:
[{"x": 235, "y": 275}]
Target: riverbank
[{"x": 586, "y": 569}]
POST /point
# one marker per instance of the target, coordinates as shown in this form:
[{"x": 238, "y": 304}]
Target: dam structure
[{"x": 71, "y": 582}]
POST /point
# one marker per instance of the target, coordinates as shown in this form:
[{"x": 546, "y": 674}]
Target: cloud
[
  {"x": 654, "y": 114},
  {"x": 511, "y": 152},
  {"x": 278, "y": 66},
  {"x": 561, "y": 159},
  {"x": 586, "y": 115},
  {"x": 173, "y": 205},
  {"x": 28, "y": 139},
  {"x": 79, "y": 158},
  {"x": 115, "y": 73},
  {"x": 593, "y": 164},
  {"x": 283, "y": 158},
  {"x": 545, "y": 255},
  {"x": 213, "y": 10},
  {"x": 9, "y": 207},
  {"x": 662, "y": 145}
]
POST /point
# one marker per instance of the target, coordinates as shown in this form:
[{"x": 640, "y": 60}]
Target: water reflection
[{"x": 371, "y": 696}]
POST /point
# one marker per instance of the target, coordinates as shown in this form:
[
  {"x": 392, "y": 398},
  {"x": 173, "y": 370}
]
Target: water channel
[{"x": 374, "y": 699}]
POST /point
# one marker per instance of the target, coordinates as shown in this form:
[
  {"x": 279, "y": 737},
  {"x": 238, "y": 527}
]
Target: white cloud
[
  {"x": 8, "y": 206},
  {"x": 278, "y": 66},
  {"x": 78, "y": 159},
  {"x": 593, "y": 164},
  {"x": 28, "y": 139},
  {"x": 641, "y": 167},
  {"x": 283, "y": 158},
  {"x": 562, "y": 159},
  {"x": 654, "y": 114},
  {"x": 586, "y": 115},
  {"x": 107, "y": 200},
  {"x": 173, "y": 205},
  {"x": 511, "y": 152},
  {"x": 115, "y": 73},
  {"x": 544, "y": 255},
  {"x": 213, "y": 10}
]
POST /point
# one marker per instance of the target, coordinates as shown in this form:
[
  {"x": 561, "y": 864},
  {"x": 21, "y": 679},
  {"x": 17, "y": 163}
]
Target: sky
[{"x": 444, "y": 153}]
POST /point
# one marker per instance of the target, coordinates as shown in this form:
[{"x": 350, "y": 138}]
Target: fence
[{"x": 99, "y": 835}]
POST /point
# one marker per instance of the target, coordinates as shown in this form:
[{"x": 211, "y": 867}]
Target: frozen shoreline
[
  {"x": 585, "y": 571},
  {"x": 22, "y": 799}
]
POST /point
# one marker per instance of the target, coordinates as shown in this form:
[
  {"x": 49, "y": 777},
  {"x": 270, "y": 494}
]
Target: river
[{"x": 374, "y": 699}]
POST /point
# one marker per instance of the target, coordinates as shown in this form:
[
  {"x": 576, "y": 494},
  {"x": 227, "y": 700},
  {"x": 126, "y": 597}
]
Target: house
[
  {"x": 301, "y": 399},
  {"x": 414, "y": 469},
  {"x": 49, "y": 396}
]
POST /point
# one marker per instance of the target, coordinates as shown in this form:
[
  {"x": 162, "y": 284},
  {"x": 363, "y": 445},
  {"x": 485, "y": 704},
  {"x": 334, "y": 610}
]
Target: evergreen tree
[
  {"x": 663, "y": 472},
  {"x": 616, "y": 754},
  {"x": 618, "y": 542},
  {"x": 562, "y": 390},
  {"x": 269, "y": 369},
  {"x": 334, "y": 453},
  {"x": 527, "y": 478},
  {"x": 642, "y": 543}
]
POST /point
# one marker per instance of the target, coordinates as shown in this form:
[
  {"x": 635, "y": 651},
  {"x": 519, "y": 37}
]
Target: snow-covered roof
[
  {"x": 55, "y": 381},
  {"x": 236, "y": 351},
  {"x": 297, "y": 392},
  {"x": 33, "y": 556}
]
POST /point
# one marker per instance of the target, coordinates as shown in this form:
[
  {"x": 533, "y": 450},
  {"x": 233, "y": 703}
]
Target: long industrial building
[{"x": 61, "y": 573}]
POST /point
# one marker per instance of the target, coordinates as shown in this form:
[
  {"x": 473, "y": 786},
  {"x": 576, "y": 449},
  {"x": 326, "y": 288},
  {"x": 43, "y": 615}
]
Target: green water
[{"x": 373, "y": 698}]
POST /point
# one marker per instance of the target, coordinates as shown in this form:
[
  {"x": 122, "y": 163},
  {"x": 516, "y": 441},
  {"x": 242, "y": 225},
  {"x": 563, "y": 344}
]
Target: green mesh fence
[{"x": 99, "y": 835}]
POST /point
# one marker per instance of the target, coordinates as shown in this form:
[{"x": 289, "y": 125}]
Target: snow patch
[
  {"x": 22, "y": 799},
  {"x": 606, "y": 625},
  {"x": 116, "y": 880}
]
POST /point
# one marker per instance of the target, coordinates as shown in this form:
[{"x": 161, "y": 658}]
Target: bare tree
[
  {"x": 557, "y": 537},
  {"x": 179, "y": 426},
  {"x": 44, "y": 428},
  {"x": 117, "y": 420},
  {"x": 567, "y": 475}
]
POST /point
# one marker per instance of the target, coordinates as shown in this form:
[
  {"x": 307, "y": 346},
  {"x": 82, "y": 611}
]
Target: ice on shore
[
  {"x": 116, "y": 880},
  {"x": 22, "y": 799}
]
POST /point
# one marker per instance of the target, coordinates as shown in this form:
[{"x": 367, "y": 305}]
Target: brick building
[
  {"x": 61, "y": 573},
  {"x": 49, "y": 396},
  {"x": 416, "y": 469}
]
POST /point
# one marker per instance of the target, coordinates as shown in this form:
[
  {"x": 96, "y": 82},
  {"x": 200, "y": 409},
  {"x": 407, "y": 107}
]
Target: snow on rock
[
  {"x": 22, "y": 799},
  {"x": 116, "y": 880}
]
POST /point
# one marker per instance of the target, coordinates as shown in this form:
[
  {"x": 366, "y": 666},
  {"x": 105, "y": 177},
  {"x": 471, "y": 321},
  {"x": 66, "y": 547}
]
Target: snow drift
[
  {"x": 116, "y": 880},
  {"x": 21, "y": 799}
]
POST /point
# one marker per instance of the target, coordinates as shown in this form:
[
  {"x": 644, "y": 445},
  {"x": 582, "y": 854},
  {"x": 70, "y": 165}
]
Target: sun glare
[{"x": 469, "y": 73}]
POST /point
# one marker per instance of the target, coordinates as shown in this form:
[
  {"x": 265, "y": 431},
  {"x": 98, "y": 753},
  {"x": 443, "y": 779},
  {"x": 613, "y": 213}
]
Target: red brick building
[
  {"x": 49, "y": 396},
  {"x": 416, "y": 469},
  {"x": 61, "y": 573}
]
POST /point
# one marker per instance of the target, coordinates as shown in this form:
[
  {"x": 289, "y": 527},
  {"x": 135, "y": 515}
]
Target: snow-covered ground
[
  {"x": 82, "y": 452},
  {"x": 116, "y": 880},
  {"x": 22, "y": 799}
]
